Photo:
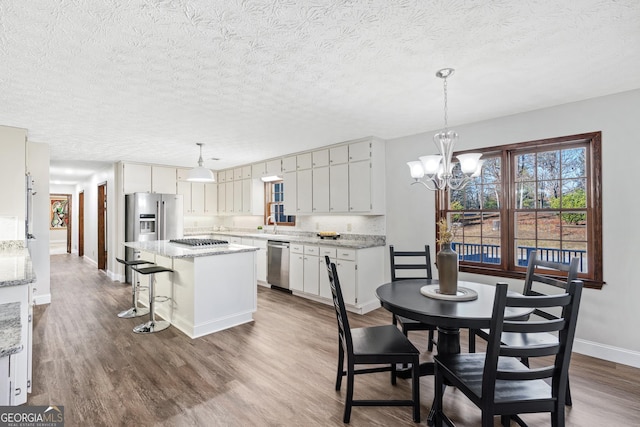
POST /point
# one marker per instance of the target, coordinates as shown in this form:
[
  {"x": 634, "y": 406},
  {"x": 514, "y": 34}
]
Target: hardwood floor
[{"x": 276, "y": 371}]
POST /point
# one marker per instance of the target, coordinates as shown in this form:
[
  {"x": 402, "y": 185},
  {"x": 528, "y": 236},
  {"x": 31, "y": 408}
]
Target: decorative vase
[{"x": 447, "y": 263}]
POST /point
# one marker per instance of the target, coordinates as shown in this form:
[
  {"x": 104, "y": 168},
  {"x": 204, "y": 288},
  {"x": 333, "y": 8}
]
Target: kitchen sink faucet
[{"x": 275, "y": 224}]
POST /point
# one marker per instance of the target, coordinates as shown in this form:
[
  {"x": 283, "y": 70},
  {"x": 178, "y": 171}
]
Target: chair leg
[
  {"x": 415, "y": 389},
  {"x": 557, "y": 417},
  {"x": 436, "y": 410},
  {"x": 430, "y": 344},
  {"x": 567, "y": 400},
  {"x": 349, "y": 399},
  {"x": 340, "y": 366},
  {"x": 505, "y": 420},
  {"x": 487, "y": 419},
  {"x": 472, "y": 341},
  {"x": 393, "y": 374}
]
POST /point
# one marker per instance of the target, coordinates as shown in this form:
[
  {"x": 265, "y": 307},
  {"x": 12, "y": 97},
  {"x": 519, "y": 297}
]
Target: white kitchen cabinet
[
  {"x": 273, "y": 167},
  {"x": 325, "y": 286},
  {"x": 339, "y": 188},
  {"x": 222, "y": 199},
  {"x": 163, "y": 179},
  {"x": 230, "y": 175},
  {"x": 258, "y": 169},
  {"x": 311, "y": 270},
  {"x": 210, "y": 199},
  {"x": 320, "y": 158},
  {"x": 237, "y": 197},
  {"x": 304, "y": 192},
  {"x": 347, "y": 274},
  {"x": 290, "y": 181},
  {"x": 261, "y": 260},
  {"x": 359, "y": 151},
  {"x": 296, "y": 268},
  {"x": 197, "y": 198},
  {"x": 339, "y": 155},
  {"x": 303, "y": 161},
  {"x": 229, "y": 196},
  {"x": 237, "y": 174},
  {"x": 221, "y": 177},
  {"x": 246, "y": 172},
  {"x": 184, "y": 188},
  {"x": 21, "y": 383},
  {"x": 289, "y": 164},
  {"x": 360, "y": 187},
  {"x": 7, "y": 376},
  {"x": 136, "y": 178},
  {"x": 320, "y": 189}
]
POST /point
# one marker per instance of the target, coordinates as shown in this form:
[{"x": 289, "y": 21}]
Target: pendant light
[
  {"x": 436, "y": 171},
  {"x": 200, "y": 174}
]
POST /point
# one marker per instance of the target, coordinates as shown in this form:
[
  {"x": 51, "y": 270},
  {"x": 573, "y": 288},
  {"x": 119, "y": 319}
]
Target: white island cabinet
[{"x": 211, "y": 288}]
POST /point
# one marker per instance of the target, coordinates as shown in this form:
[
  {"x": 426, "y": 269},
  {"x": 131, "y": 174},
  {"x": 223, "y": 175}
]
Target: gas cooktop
[{"x": 199, "y": 242}]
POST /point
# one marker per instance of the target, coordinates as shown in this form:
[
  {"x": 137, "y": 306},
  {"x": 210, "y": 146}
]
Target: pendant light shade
[{"x": 200, "y": 173}]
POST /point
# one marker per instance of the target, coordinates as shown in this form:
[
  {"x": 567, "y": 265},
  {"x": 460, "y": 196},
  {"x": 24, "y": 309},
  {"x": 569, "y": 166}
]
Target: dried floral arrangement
[{"x": 445, "y": 234}]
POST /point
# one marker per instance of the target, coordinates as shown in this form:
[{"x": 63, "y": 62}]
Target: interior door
[
  {"x": 102, "y": 226},
  {"x": 81, "y": 223}
]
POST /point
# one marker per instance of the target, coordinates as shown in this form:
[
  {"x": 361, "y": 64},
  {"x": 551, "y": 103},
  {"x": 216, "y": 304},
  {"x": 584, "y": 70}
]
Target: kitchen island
[{"x": 212, "y": 288}]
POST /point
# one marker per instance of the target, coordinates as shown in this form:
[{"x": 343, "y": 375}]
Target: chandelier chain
[{"x": 446, "y": 107}]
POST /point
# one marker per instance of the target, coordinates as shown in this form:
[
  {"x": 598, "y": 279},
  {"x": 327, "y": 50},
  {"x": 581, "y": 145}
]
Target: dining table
[{"x": 404, "y": 298}]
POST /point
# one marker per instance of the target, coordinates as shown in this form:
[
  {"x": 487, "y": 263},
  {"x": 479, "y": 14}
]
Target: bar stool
[
  {"x": 152, "y": 325},
  {"x": 134, "y": 311}
]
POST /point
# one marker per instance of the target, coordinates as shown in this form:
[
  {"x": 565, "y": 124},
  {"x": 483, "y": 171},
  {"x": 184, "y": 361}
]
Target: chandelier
[{"x": 436, "y": 171}]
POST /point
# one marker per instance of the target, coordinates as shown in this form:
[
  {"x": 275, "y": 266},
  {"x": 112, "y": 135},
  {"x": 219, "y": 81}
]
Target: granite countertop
[
  {"x": 10, "y": 329},
  {"x": 353, "y": 241},
  {"x": 173, "y": 250},
  {"x": 15, "y": 264}
]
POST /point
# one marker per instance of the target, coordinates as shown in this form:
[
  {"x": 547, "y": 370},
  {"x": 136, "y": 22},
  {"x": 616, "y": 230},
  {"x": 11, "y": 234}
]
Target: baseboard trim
[
  {"x": 607, "y": 352},
  {"x": 42, "y": 299}
]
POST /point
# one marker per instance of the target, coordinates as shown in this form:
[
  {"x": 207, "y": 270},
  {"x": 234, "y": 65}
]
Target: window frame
[
  {"x": 268, "y": 192},
  {"x": 508, "y": 267}
]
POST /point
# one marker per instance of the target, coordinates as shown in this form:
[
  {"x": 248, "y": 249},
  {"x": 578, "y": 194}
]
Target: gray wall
[{"x": 609, "y": 320}]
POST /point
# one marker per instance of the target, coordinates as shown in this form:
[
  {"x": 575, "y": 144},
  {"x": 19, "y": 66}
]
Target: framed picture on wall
[{"x": 59, "y": 211}]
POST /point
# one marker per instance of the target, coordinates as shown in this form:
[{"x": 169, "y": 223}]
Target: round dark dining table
[{"x": 403, "y": 298}]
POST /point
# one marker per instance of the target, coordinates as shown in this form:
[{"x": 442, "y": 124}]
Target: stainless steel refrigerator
[{"x": 150, "y": 216}]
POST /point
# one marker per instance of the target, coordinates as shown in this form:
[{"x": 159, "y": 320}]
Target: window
[
  {"x": 538, "y": 195},
  {"x": 274, "y": 208}
]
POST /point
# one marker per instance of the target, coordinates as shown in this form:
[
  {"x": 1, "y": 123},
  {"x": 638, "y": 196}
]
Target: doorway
[
  {"x": 102, "y": 226},
  {"x": 59, "y": 224},
  {"x": 81, "y": 223}
]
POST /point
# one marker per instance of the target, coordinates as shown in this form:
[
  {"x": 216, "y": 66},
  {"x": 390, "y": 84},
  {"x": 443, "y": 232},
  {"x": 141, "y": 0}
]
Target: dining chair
[
  {"x": 497, "y": 381},
  {"x": 374, "y": 345},
  {"x": 535, "y": 278},
  {"x": 411, "y": 261}
]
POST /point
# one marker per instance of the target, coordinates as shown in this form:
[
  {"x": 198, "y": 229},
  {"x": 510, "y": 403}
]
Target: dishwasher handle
[{"x": 277, "y": 244}]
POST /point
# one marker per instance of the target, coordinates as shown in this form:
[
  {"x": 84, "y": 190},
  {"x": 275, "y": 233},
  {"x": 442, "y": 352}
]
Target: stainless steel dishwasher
[{"x": 278, "y": 264}]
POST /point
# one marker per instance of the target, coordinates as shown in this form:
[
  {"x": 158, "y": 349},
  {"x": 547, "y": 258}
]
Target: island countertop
[
  {"x": 174, "y": 250},
  {"x": 15, "y": 266}
]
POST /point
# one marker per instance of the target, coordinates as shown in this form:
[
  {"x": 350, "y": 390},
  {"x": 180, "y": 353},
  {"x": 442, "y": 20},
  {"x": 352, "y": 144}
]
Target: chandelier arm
[{"x": 426, "y": 184}]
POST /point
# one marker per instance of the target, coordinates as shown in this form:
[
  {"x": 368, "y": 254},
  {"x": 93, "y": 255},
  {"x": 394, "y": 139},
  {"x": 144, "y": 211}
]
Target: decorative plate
[{"x": 463, "y": 294}]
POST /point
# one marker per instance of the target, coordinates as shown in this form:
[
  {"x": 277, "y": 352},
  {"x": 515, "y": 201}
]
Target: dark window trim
[{"x": 594, "y": 188}]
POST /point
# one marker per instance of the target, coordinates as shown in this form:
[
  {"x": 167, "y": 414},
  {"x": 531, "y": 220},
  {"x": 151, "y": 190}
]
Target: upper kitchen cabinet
[
  {"x": 136, "y": 178},
  {"x": 141, "y": 178},
  {"x": 289, "y": 164},
  {"x": 12, "y": 170},
  {"x": 320, "y": 158},
  {"x": 163, "y": 180},
  {"x": 339, "y": 155},
  {"x": 273, "y": 167},
  {"x": 198, "y": 198},
  {"x": 304, "y": 161},
  {"x": 367, "y": 177}
]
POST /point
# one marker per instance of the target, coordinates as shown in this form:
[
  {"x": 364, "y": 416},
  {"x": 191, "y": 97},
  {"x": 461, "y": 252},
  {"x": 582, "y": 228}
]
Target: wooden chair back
[
  {"x": 550, "y": 273},
  {"x": 418, "y": 260},
  {"x": 344, "y": 331},
  {"x": 564, "y": 325}
]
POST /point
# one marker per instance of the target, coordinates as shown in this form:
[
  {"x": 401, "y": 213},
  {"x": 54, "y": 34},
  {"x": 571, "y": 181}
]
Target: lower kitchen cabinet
[{"x": 360, "y": 272}]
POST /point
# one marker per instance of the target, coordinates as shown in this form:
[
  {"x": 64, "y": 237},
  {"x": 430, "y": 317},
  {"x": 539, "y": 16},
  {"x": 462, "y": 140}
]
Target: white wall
[{"x": 608, "y": 321}]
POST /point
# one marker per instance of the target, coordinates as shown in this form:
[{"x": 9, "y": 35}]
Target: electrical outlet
[{"x": 348, "y": 226}]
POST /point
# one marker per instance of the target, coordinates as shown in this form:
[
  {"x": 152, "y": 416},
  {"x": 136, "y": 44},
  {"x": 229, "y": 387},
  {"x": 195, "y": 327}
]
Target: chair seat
[
  {"x": 376, "y": 341},
  {"x": 468, "y": 367},
  {"x": 152, "y": 270},
  {"x": 133, "y": 262},
  {"x": 414, "y": 325},
  {"x": 514, "y": 339}
]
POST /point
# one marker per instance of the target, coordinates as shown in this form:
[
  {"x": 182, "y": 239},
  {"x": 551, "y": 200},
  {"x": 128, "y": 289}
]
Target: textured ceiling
[{"x": 144, "y": 80}]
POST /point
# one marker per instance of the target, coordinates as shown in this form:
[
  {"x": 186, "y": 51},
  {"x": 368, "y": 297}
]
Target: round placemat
[{"x": 463, "y": 294}]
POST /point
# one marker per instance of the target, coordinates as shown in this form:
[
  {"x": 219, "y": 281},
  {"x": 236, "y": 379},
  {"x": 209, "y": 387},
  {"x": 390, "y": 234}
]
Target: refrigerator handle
[{"x": 164, "y": 221}]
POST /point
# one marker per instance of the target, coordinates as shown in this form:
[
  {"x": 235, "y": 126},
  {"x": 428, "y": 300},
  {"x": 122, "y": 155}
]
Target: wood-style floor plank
[{"x": 276, "y": 371}]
